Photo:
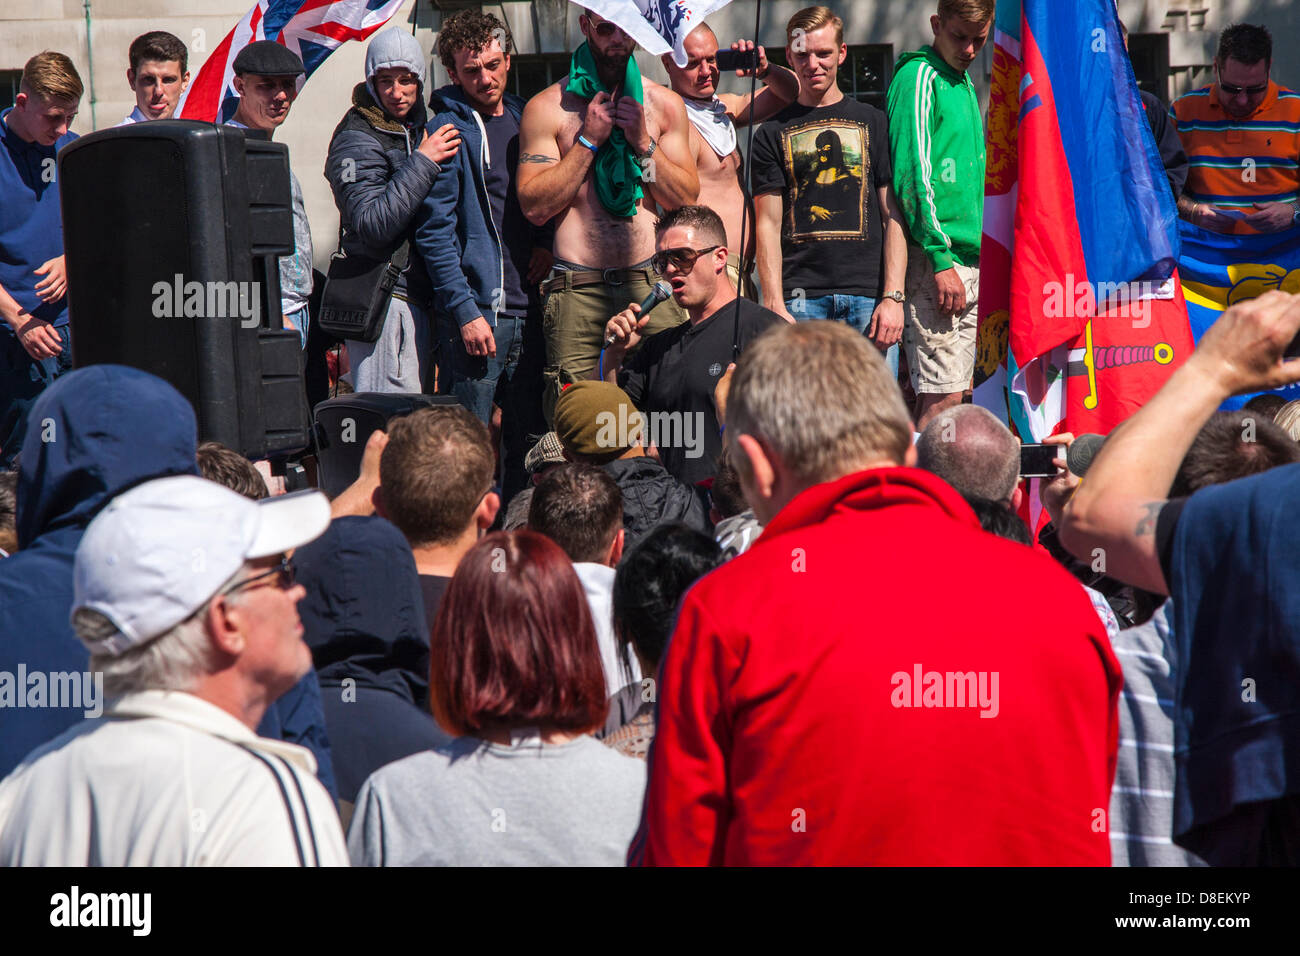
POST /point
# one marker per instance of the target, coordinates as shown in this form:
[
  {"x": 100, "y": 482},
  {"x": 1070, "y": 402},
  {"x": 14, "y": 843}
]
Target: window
[
  {"x": 1149, "y": 53},
  {"x": 864, "y": 74},
  {"x": 9, "y": 80},
  {"x": 530, "y": 73}
]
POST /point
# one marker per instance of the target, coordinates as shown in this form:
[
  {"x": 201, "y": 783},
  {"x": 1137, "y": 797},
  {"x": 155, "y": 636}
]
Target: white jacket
[{"x": 167, "y": 779}]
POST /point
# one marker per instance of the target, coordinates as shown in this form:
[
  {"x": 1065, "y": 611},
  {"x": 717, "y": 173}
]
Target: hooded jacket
[
  {"x": 95, "y": 433},
  {"x": 936, "y": 137},
  {"x": 363, "y": 618},
  {"x": 651, "y": 496},
  {"x": 454, "y": 229},
  {"x": 374, "y": 169},
  {"x": 799, "y": 721}
]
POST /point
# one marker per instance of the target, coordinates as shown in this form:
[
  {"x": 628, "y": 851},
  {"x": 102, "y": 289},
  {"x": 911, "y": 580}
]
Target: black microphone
[
  {"x": 1082, "y": 451},
  {"x": 661, "y": 291}
]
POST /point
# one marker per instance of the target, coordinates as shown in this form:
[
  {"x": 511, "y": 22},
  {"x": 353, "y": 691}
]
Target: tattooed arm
[
  {"x": 1116, "y": 507},
  {"x": 547, "y": 184}
]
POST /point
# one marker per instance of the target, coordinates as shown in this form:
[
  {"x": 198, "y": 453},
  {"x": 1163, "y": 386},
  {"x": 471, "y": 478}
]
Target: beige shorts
[
  {"x": 745, "y": 288},
  {"x": 940, "y": 348}
]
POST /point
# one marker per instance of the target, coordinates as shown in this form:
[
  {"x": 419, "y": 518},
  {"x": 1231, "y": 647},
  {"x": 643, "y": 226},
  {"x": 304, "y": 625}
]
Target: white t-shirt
[
  {"x": 164, "y": 778},
  {"x": 598, "y": 583}
]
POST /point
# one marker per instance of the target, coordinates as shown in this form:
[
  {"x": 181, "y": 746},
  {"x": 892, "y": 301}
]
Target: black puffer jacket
[
  {"x": 651, "y": 496},
  {"x": 379, "y": 180}
]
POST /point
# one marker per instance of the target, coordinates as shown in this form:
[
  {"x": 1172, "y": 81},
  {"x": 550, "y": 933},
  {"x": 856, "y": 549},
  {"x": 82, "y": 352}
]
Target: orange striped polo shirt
[{"x": 1233, "y": 162}]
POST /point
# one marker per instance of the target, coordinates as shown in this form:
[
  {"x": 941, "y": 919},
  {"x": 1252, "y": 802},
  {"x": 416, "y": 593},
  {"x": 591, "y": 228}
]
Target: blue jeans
[
  {"x": 22, "y": 379},
  {"x": 299, "y": 321},
  {"x": 852, "y": 310},
  {"x": 512, "y": 379}
]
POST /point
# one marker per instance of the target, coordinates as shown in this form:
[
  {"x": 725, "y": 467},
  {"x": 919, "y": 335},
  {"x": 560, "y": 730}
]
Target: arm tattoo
[
  {"x": 536, "y": 158},
  {"x": 1148, "y": 523}
]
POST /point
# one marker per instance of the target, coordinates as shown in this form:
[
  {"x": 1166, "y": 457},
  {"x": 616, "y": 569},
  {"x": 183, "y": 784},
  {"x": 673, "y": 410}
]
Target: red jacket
[{"x": 789, "y": 729}]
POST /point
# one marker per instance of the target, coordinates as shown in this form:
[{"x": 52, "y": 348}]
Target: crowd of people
[{"x": 730, "y": 572}]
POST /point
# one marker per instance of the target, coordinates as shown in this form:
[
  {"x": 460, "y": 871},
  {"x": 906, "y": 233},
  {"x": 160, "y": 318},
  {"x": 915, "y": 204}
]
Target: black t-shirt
[
  {"x": 828, "y": 163},
  {"x": 674, "y": 373},
  {"x": 432, "y": 588},
  {"x": 514, "y": 230}
]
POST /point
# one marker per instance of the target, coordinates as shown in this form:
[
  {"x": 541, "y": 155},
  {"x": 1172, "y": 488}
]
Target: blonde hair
[
  {"x": 814, "y": 18},
  {"x": 51, "y": 76}
]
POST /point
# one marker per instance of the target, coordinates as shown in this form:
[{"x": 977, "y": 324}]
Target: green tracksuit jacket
[{"x": 936, "y": 138}]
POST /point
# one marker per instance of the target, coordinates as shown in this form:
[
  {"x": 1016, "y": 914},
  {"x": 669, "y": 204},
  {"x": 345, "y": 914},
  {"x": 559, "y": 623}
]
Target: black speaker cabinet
[
  {"x": 344, "y": 424},
  {"x": 172, "y": 230}
]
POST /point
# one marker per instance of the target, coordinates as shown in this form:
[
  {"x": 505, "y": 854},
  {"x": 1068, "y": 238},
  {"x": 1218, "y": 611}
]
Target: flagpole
[{"x": 749, "y": 191}]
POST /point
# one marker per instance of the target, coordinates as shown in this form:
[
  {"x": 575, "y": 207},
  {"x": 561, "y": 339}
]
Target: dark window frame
[
  {"x": 9, "y": 80},
  {"x": 875, "y": 60},
  {"x": 553, "y": 65}
]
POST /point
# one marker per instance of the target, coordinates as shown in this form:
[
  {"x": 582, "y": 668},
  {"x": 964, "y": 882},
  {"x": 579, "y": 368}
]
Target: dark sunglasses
[
  {"x": 282, "y": 571},
  {"x": 1249, "y": 90},
  {"x": 605, "y": 29},
  {"x": 683, "y": 259}
]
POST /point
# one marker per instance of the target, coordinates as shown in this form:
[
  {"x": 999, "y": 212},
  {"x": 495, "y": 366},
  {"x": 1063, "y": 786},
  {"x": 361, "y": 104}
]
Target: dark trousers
[
  {"x": 22, "y": 379},
  {"x": 512, "y": 380}
]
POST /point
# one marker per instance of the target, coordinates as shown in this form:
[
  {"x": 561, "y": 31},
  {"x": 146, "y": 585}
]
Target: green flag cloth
[{"x": 618, "y": 174}]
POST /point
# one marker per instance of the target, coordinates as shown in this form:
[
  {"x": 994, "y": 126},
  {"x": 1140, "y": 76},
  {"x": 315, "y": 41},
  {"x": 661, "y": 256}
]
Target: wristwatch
[
  {"x": 654, "y": 144},
  {"x": 896, "y": 296}
]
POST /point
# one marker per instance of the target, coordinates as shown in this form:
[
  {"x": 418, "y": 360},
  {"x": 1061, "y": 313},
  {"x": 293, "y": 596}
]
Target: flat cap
[
  {"x": 268, "y": 58},
  {"x": 548, "y": 451}
]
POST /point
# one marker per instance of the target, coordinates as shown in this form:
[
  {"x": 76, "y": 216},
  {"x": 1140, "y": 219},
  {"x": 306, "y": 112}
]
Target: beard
[{"x": 610, "y": 64}]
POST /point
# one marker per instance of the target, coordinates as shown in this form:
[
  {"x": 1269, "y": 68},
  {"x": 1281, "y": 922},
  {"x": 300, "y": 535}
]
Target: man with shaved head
[
  {"x": 970, "y": 449},
  {"x": 714, "y": 118}
]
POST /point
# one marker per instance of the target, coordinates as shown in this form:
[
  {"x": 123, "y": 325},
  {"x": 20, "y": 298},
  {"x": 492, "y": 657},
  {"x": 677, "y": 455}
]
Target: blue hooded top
[
  {"x": 454, "y": 231},
  {"x": 93, "y": 434},
  {"x": 363, "y": 618}
]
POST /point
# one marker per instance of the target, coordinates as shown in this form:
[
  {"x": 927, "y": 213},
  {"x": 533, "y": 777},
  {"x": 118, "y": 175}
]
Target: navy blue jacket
[
  {"x": 454, "y": 231},
  {"x": 95, "y": 433},
  {"x": 106, "y": 428},
  {"x": 363, "y": 618}
]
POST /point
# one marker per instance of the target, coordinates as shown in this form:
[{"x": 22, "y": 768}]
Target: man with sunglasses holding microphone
[
  {"x": 1242, "y": 137},
  {"x": 675, "y": 372}
]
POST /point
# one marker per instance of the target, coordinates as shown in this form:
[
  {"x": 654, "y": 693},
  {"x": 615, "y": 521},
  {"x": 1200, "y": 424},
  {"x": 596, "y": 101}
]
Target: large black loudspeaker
[
  {"x": 172, "y": 230},
  {"x": 345, "y": 424}
]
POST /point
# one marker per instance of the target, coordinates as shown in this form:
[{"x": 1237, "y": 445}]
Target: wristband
[{"x": 586, "y": 142}]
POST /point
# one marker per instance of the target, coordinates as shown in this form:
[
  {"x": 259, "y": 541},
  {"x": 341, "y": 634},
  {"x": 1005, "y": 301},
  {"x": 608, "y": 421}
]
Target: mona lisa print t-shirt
[{"x": 828, "y": 163}]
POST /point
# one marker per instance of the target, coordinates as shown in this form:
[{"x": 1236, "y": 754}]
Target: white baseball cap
[{"x": 159, "y": 552}]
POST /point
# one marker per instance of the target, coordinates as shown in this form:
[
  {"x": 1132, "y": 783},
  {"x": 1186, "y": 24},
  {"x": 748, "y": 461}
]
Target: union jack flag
[{"x": 313, "y": 29}]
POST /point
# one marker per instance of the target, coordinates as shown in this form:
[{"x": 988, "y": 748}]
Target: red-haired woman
[{"x": 515, "y": 673}]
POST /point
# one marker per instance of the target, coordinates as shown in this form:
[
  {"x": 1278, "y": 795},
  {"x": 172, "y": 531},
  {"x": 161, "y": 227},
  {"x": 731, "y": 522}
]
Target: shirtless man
[
  {"x": 602, "y": 257},
  {"x": 714, "y": 118}
]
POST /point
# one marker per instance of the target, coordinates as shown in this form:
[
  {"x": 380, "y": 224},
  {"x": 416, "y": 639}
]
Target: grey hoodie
[{"x": 394, "y": 47}]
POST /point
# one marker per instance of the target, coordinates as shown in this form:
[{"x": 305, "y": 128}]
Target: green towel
[{"x": 618, "y": 174}]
